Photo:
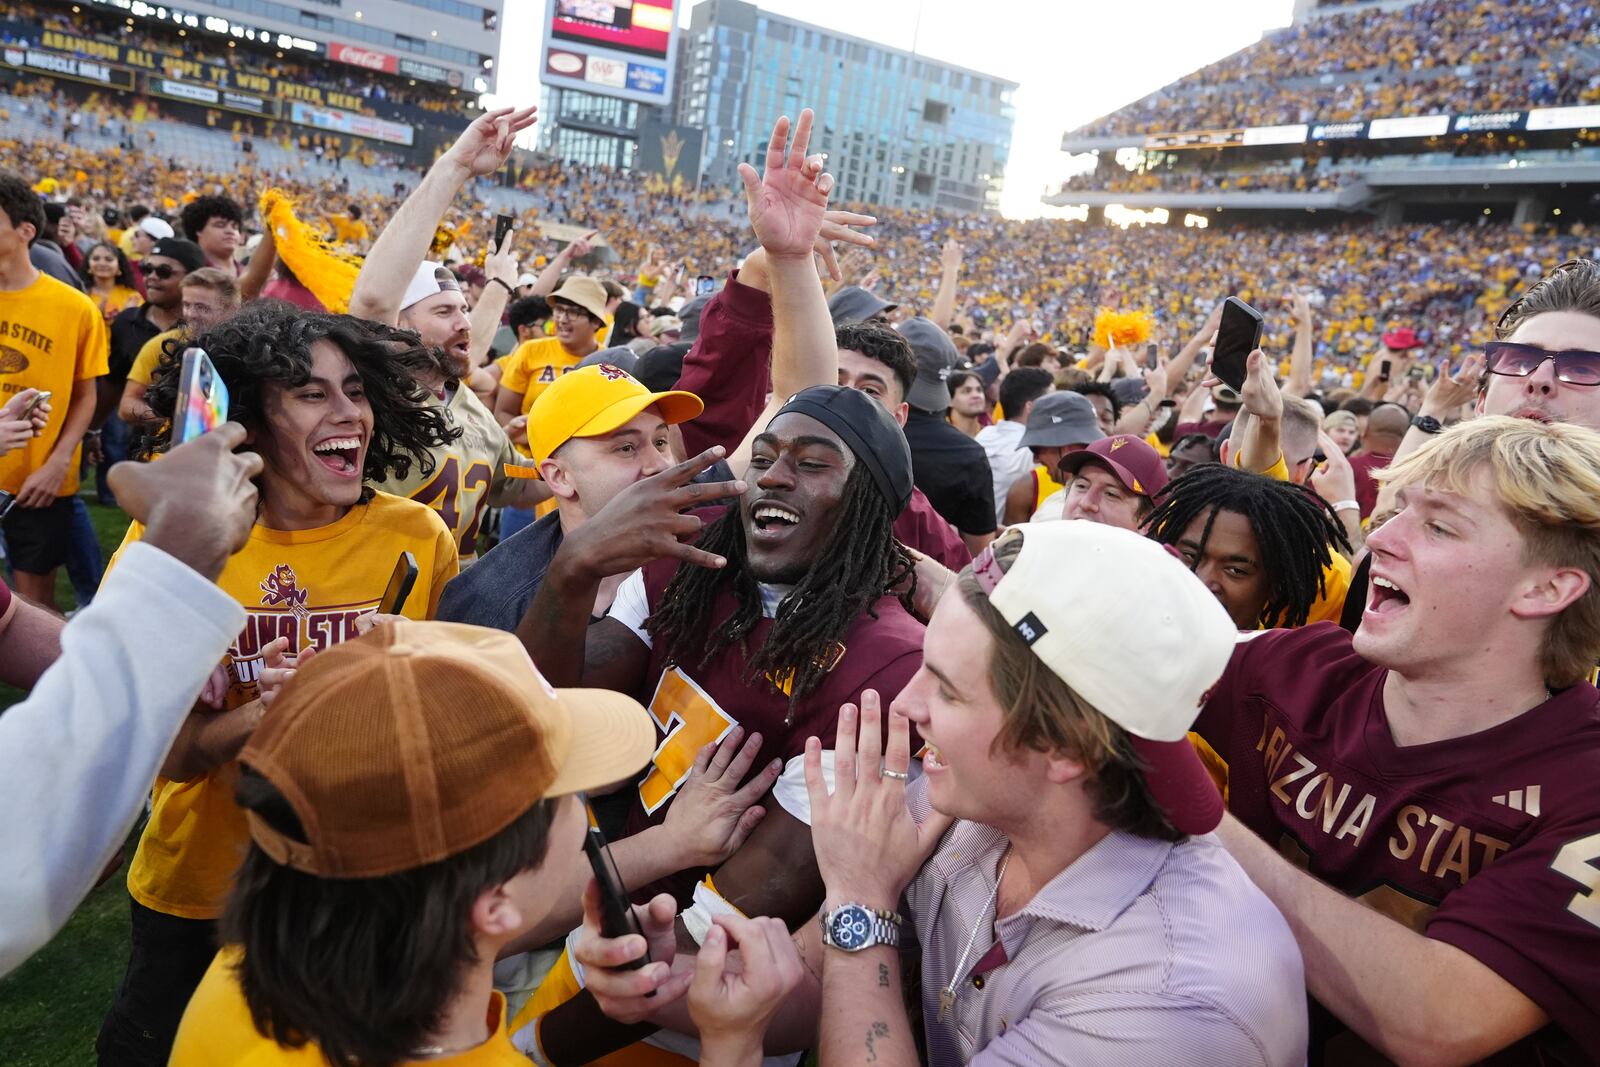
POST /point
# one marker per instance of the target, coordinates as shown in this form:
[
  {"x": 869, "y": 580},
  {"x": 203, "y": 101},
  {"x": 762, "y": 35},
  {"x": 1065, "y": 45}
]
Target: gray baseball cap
[
  {"x": 622, "y": 357},
  {"x": 936, "y": 358},
  {"x": 855, "y": 304},
  {"x": 1062, "y": 418},
  {"x": 689, "y": 315}
]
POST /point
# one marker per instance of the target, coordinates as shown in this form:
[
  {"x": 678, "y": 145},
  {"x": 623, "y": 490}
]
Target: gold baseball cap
[
  {"x": 420, "y": 740},
  {"x": 591, "y": 401}
]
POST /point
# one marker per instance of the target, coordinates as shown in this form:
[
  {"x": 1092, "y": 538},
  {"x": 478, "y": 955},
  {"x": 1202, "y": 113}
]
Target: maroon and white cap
[{"x": 1132, "y": 631}]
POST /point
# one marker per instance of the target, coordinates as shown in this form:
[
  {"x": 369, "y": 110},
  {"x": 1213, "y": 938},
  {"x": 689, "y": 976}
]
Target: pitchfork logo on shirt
[{"x": 281, "y": 589}]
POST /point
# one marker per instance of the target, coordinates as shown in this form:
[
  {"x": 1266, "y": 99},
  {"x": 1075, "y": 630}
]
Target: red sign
[{"x": 368, "y": 58}]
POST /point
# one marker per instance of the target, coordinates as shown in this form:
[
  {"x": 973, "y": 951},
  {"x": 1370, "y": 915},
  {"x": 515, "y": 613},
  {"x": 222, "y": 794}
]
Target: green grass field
[{"x": 50, "y": 1008}]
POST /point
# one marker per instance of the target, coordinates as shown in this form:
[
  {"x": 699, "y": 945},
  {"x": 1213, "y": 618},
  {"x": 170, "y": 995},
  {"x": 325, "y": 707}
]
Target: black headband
[{"x": 867, "y": 430}]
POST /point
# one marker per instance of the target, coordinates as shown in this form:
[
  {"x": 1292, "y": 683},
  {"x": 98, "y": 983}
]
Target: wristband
[
  {"x": 1346, "y": 505},
  {"x": 501, "y": 282}
]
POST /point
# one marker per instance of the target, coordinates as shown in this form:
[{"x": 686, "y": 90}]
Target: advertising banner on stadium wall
[
  {"x": 360, "y": 56},
  {"x": 74, "y": 47},
  {"x": 1257, "y": 135},
  {"x": 1487, "y": 122},
  {"x": 1338, "y": 131},
  {"x": 1409, "y": 126},
  {"x": 620, "y": 48},
  {"x": 211, "y": 96},
  {"x": 59, "y": 66},
  {"x": 1564, "y": 118},
  {"x": 1195, "y": 139},
  {"x": 336, "y": 121}
]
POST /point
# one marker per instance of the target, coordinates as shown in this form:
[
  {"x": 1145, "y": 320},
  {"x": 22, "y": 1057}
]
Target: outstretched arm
[
  {"x": 403, "y": 243},
  {"x": 944, "y": 301},
  {"x": 1299, "y": 383}
]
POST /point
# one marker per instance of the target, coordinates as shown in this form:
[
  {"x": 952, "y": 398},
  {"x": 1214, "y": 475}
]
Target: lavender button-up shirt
[{"x": 1141, "y": 952}]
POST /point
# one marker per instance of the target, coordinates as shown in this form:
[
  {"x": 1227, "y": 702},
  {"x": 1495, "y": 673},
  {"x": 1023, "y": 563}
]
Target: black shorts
[{"x": 37, "y": 538}]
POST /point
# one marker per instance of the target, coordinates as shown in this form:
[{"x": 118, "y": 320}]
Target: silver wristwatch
[{"x": 852, "y": 927}]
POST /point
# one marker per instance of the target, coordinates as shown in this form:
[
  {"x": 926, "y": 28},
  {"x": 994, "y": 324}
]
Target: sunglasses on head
[
  {"x": 1518, "y": 361},
  {"x": 158, "y": 270}
]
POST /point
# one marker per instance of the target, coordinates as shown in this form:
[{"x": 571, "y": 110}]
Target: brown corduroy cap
[{"x": 421, "y": 739}]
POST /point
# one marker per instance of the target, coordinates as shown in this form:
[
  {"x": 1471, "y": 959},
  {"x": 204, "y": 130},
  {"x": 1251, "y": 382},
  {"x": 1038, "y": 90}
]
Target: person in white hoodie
[{"x": 112, "y": 686}]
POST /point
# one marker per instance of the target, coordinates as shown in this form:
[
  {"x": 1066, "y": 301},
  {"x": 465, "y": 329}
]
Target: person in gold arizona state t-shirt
[{"x": 327, "y": 406}]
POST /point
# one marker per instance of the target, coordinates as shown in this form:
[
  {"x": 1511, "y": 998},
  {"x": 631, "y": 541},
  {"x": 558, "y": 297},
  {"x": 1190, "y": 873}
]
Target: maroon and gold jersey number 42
[
  {"x": 690, "y": 720},
  {"x": 443, "y": 494}
]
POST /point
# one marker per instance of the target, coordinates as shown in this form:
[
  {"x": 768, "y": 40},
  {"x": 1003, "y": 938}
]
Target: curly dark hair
[
  {"x": 270, "y": 341},
  {"x": 858, "y": 564},
  {"x": 1295, "y": 529},
  {"x": 20, "y": 203},
  {"x": 883, "y": 343},
  {"x": 202, "y": 209}
]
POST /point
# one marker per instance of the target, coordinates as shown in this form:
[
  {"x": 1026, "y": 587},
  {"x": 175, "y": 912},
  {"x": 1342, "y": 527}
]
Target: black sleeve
[{"x": 977, "y": 499}]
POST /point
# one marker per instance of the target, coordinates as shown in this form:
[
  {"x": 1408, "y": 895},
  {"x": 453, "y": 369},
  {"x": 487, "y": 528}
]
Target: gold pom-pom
[
  {"x": 327, "y": 272},
  {"x": 1122, "y": 328}
]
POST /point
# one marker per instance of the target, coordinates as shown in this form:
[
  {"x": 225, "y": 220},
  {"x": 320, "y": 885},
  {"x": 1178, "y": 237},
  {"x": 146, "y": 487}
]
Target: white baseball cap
[
  {"x": 429, "y": 280},
  {"x": 158, "y": 228},
  {"x": 526, "y": 279},
  {"x": 1132, "y": 631}
]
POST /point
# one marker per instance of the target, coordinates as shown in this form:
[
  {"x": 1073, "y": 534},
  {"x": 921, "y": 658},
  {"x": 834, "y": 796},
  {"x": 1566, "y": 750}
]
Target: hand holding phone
[
  {"x": 400, "y": 583},
  {"x": 616, "y": 912},
  {"x": 1152, "y": 357},
  {"x": 705, "y": 285},
  {"x": 1238, "y": 334},
  {"x": 202, "y": 398}
]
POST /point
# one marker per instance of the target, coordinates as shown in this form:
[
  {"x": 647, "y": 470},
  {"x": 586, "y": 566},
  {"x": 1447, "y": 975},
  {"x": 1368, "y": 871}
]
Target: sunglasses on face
[
  {"x": 158, "y": 270},
  {"x": 1518, "y": 361}
]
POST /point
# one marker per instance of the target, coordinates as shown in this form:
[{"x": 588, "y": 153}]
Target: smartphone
[
  {"x": 705, "y": 285},
  {"x": 400, "y": 583},
  {"x": 7, "y": 502},
  {"x": 33, "y": 405},
  {"x": 1237, "y": 336},
  {"x": 1417, "y": 372},
  {"x": 1152, "y": 356},
  {"x": 616, "y": 913},
  {"x": 502, "y": 226},
  {"x": 1383, "y": 370},
  {"x": 202, "y": 398}
]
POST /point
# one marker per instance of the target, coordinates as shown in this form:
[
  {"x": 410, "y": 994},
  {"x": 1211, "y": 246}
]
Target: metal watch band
[{"x": 884, "y": 927}]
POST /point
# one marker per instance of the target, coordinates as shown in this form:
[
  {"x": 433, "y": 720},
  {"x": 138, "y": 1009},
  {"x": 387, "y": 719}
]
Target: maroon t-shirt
[
  {"x": 1366, "y": 486},
  {"x": 924, "y": 529},
  {"x": 1490, "y": 842},
  {"x": 693, "y": 706}
]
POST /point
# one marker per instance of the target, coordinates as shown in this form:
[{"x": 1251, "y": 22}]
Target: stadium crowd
[
  {"x": 1528, "y": 53},
  {"x": 960, "y": 668}
]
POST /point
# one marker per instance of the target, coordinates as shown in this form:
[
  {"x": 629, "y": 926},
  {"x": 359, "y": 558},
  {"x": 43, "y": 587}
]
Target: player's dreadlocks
[
  {"x": 859, "y": 563},
  {"x": 270, "y": 341},
  {"x": 1294, "y": 528}
]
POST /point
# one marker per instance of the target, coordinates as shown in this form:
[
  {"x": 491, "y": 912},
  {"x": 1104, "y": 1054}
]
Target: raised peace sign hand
[{"x": 787, "y": 200}]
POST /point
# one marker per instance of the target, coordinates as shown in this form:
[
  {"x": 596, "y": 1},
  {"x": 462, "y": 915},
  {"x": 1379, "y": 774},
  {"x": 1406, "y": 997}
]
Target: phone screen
[
  {"x": 400, "y": 583},
  {"x": 502, "y": 226},
  {"x": 202, "y": 398},
  {"x": 616, "y": 913},
  {"x": 705, "y": 285},
  {"x": 1152, "y": 356},
  {"x": 1238, "y": 335},
  {"x": 1384, "y": 370}
]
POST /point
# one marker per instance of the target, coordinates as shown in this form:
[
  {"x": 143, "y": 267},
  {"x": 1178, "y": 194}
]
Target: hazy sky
[{"x": 1075, "y": 59}]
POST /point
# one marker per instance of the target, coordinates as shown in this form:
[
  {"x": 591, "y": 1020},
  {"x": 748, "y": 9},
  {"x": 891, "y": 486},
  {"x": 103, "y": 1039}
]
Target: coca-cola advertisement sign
[{"x": 357, "y": 56}]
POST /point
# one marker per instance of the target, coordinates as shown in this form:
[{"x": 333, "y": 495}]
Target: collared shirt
[{"x": 1140, "y": 952}]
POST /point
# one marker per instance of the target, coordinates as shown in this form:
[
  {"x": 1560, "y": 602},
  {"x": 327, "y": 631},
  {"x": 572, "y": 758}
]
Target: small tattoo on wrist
[{"x": 883, "y": 975}]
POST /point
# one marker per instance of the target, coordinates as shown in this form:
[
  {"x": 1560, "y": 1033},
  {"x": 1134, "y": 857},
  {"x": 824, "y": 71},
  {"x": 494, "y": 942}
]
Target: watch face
[{"x": 849, "y": 927}]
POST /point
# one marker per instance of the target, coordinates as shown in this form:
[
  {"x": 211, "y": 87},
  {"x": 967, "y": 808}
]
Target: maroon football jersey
[
  {"x": 922, "y": 528},
  {"x": 1489, "y": 842},
  {"x": 693, "y": 706}
]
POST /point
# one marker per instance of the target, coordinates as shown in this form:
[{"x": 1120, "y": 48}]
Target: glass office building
[{"x": 900, "y": 130}]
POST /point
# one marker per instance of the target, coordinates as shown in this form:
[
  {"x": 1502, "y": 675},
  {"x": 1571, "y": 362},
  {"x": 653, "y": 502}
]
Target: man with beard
[
  {"x": 466, "y": 474},
  {"x": 327, "y": 405}
]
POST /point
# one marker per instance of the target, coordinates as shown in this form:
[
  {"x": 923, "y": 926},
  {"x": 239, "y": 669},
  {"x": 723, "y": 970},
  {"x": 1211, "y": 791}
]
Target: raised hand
[
  {"x": 950, "y": 255},
  {"x": 836, "y": 226},
  {"x": 788, "y": 199},
  {"x": 484, "y": 146},
  {"x": 1334, "y": 480},
  {"x": 868, "y": 845},
  {"x": 1260, "y": 394},
  {"x": 1449, "y": 391},
  {"x": 645, "y": 521},
  {"x": 631, "y": 996},
  {"x": 583, "y": 245}
]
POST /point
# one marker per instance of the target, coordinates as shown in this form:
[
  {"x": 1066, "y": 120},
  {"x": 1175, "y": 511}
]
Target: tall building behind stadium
[{"x": 906, "y": 131}]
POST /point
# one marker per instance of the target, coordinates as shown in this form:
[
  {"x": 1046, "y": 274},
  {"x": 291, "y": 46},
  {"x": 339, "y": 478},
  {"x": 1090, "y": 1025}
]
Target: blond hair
[
  {"x": 216, "y": 280},
  {"x": 1547, "y": 477}
]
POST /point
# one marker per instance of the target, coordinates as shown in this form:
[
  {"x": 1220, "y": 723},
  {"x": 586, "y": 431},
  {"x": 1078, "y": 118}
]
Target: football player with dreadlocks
[
  {"x": 783, "y": 609},
  {"x": 1259, "y": 544}
]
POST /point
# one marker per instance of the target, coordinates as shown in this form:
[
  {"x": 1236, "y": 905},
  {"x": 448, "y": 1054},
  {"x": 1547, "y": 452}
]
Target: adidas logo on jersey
[{"x": 1526, "y": 800}]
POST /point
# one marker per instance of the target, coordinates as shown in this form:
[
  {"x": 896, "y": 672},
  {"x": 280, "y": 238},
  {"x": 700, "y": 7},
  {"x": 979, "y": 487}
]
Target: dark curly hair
[
  {"x": 202, "y": 209},
  {"x": 270, "y": 341},
  {"x": 882, "y": 343}
]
